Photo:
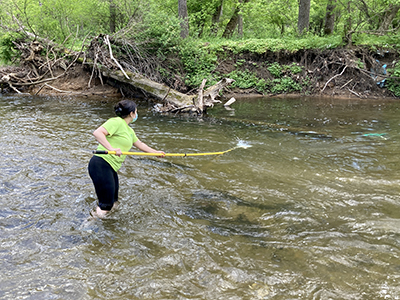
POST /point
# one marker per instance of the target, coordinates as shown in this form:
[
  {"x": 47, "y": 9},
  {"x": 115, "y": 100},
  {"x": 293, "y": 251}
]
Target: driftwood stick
[
  {"x": 15, "y": 89},
  {"x": 60, "y": 91},
  {"x": 77, "y": 55},
  {"x": 346, "y": 83},
  {"x": 213, "y": 91},
  {"x": 200, "y": 101},
  {"x": 93, "y": 70},
  {"x": 106, "y": 39},
  {"x": 163, "y": 99},
  {"x": 230, "y": 101},
  {"x": 337, "y": 75},
  {"x": 38, "y": 91},
  {"x": 351, "y": 91},
  {"x": 38, "y": 82}
]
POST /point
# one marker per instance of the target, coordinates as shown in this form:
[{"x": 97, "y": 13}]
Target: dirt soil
[{"x": 77, "y": 81}]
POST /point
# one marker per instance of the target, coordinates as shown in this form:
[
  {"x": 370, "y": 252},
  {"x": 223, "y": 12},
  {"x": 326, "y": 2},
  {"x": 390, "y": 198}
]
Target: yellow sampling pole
[{"x": 166, "y": 154}]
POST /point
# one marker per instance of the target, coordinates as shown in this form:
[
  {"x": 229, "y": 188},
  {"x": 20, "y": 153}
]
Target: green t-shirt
[{"x": 121, "y": 136}]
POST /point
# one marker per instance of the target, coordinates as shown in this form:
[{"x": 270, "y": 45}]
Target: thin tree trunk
[
  {"x": 113, "y": 16},
  {"x": 240, "y": 25},
  {"x": 348, "y": 39},
  {"x": 303, "y": 22},
  {"x": 183, "y": 15},
  {"x": 330, "y": 17},
  {"x": 388, "y": 17},
  {"x": 235, "y": 21},
  {"x": 216, "y": 17}
]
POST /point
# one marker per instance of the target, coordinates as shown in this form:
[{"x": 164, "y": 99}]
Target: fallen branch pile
[
  {"x": 40, "y": 63},
  {"x": 337, "y": 70},
  {"x": 137, "y": 70},
  {"x": 119, "y": 60}
]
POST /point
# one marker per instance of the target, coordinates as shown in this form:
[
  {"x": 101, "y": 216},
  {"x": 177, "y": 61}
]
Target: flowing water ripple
[{"x": 310, "y": 211}]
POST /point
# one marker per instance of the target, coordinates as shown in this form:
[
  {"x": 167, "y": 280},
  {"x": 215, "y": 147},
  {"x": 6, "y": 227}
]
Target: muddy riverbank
[{"x": 339, "y": 73}]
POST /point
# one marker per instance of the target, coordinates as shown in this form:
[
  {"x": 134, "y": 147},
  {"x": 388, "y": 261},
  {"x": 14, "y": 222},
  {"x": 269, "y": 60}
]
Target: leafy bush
[
  {"x": 198, "y": 62},
  {"x": 284, "y": 85},
  {"x": 275, "y": 69},
  {"x": 245, "y": 79},
  {"x": 295, "y": 68},
  {"x": 7, "y": 52},
  {"x": 287, "y": 44},
  {"x": 393, "y": 82}
]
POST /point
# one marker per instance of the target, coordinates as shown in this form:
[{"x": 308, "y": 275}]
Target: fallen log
[
  {"x": 171, "y": 100},
  {"x": 125, "y": 69},
  {"x": 157, "y": 90}
]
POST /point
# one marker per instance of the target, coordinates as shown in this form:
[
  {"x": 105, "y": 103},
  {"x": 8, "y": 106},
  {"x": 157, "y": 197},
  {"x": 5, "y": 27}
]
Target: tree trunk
[
  {"x": 235, "y": 21},
  {"x": 303, "y": 22},
  {"x": 183, "y": 15},
  {"x": 216, "y": 17},
  {"x": 388, "y": 17},
  {"x": 240, "y": 25},
  {"x": 348, "y": 32},
  {"x": 330, "y": 17},
  {"x": 231, "y": 26},
  {"x": 113, "y": 16}
]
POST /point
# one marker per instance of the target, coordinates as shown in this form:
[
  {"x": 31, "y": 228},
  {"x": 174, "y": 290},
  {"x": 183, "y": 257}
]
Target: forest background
[{"x": 267, "y": 47}]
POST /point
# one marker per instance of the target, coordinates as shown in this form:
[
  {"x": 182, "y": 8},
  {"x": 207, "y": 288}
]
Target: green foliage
[
  {"x": 245, "y": 79},
  {"x": 273, "y": 20},
  {"x": 375, "y": 41},
  {"x": 393, "y": 82},
  {"x": 295, "y": 68},
  {"x": 278, "y": 70},
  {"x": 198, "y": 62},
  {"x": 7, "y": 52},
  {"x": 160, "y": 35},
  {"x": 277, "y": 17},
  {"x": 284, "y": 85},
  {"x": 289, "y": 44},
  {"x": 275, "y": 69},
  {"x": 283, "y": 81}
]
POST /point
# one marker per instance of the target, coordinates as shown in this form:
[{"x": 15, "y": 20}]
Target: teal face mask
[{"x": 135, "y": 118}]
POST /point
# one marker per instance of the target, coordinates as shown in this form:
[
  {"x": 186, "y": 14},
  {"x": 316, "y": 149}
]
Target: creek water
[{"x": 310, "y": 211}]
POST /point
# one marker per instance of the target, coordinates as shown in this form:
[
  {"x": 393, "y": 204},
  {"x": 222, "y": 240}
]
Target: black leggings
[{"x": 105, "y": 181}]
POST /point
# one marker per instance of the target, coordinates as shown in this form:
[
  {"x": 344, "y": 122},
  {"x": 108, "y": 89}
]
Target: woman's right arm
[{"x": 100, "y": 135}]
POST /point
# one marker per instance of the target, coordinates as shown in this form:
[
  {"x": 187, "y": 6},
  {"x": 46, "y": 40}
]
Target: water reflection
[{"x": 310, "y": 211}]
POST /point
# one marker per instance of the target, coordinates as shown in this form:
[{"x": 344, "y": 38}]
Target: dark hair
[{"x": 124, "y": 108}]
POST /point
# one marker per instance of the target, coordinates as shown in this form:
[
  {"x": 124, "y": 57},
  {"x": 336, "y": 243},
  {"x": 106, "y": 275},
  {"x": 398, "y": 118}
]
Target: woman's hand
[
  {"x": 100, "y": 135},
  {"x": 143, "y": 147},
  {"x": 118, "y": 151},
  {"x": 161, "y": 152}
]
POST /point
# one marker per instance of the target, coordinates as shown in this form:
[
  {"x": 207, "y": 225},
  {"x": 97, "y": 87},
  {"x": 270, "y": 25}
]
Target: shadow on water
[{"x": 229, "y": 215}]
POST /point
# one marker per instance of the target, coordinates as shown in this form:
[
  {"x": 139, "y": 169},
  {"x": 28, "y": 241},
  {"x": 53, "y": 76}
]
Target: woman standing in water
[{"x": 114, "y": 135}]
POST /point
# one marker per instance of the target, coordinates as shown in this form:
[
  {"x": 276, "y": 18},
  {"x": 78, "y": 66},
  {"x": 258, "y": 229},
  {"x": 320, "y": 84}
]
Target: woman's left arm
[{"x": 143, "y": 147}]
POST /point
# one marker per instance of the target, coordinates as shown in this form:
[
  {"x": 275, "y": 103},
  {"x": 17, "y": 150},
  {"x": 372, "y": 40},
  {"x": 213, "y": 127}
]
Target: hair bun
[
  {"x": 124, "y": 108},
  {"x": 118, "y": 111}
]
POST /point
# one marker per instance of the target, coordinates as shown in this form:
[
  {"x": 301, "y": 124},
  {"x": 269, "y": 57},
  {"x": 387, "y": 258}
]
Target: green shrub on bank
[
  {"x": 393, "y": 82},
  {"x": 7, "y": 51},
  {"x": 200, "y": 58},
  {"x": 283, "y": 81},
  {"x": 287, "y": 44},
  {"x": 246, "y": 80},
  {"x": 377, "y": 42}
]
